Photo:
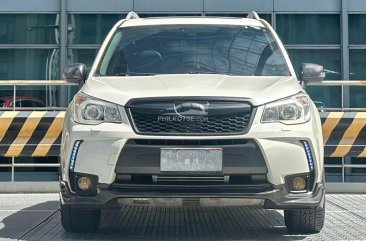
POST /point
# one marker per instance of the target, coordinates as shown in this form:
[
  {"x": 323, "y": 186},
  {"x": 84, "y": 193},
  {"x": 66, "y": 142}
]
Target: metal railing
[
  {"x": 341, "y": 83},
  {"x": 15, "y": 84}
]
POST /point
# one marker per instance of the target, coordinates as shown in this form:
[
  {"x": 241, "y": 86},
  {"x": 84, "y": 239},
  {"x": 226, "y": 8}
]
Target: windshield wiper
[
  {"x": 202, "y": 72},
  {"x": 207, "y": 72},
  {"x": 135, "y": 74}
]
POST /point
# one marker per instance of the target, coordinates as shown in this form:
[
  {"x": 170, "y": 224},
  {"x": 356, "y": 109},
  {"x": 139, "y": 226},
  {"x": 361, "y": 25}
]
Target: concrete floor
[{"x": 36, "y": 217}]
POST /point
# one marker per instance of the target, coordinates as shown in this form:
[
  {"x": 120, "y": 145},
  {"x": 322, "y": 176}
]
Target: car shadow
[{"x": 15, "y": 224}]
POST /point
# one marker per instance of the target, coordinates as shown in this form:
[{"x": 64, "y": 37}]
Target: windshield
[{"x": 190, "y": 49}]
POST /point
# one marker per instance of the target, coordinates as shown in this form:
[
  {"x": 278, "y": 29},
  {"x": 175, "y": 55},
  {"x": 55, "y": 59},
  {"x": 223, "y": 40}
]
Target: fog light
[
  {"x": 298, "y": 183},
  {"x": 84, "y": 183}
]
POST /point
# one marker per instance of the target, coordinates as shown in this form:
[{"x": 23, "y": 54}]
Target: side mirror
[
  {"x": 312, "y": 73},
  {"x": 319, "y": 105},
  {"x": 75, "y": 73}
]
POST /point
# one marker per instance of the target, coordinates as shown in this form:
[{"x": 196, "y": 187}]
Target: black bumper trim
[
  {"x": 276, "y": 197},
  {"x": 240, "y": 156}
]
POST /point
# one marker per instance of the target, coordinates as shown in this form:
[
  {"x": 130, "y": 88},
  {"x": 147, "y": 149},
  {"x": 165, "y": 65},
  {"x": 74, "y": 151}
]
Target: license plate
[{"x": 191, "y": 160}]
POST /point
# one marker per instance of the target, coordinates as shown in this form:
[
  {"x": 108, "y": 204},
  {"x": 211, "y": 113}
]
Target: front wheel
[
  {"x": 79, "y": 220},
  {"x": 305, "y": 220}
]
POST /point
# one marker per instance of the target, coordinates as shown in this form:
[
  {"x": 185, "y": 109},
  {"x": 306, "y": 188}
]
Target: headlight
[
  {"x": 292, "y": 110},
  {"x": 87, "y": 110}
]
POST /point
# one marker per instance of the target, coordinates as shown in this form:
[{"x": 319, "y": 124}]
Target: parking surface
[{"x": 36, "y": 217}]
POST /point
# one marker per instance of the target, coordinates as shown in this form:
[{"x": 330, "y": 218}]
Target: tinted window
[
  {"x": 29, "y": 29},
  {"x": 236, "y": 50},
  {"x": 22, "y": 64},
  {"x": 37, "y": 104},
  {"x": 330, "y": 59},
  {"x": 357, "y": 64},
  {"x": 27, "y": 103},
  {"x": 358, "y": 72},
  {"x": 90, "y": 28},
  {"x": 17, "y": 104},
  {"x": 357, "y": 29},
  {"x": 309, "y": 28},
  {"x": 85, "y": 56}
]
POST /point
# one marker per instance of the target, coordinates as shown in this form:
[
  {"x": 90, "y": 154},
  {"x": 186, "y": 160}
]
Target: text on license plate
[{"x": 191, "y": 160}]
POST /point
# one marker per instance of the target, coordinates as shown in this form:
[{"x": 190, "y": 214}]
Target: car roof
[{"x": 192, "y": 21}]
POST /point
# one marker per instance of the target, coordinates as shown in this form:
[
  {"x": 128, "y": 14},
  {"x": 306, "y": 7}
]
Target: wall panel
[
  {"x": 356, "y": 5},
  {"x": 308, "y": 5},
  {"x": 238, "y": 5},
  {"x": 168, "y": 6},
  {"x": 98, "y": 6},
  {"x": 7, "y": 6}
]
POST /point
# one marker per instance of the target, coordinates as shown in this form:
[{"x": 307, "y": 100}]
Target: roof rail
[
  {"x": 253, "y": 15},
  {"x": 132, "y": 15}
]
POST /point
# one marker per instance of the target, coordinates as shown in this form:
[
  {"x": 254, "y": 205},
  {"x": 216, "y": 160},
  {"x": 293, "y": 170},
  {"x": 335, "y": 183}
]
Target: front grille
[
  {"x": 218, "y": 125},
  {"x": 194, "y": 117}
]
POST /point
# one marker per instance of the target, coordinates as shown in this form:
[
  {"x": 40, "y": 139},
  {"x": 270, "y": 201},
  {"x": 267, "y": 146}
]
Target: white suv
[{"x": 192, "y": 111}]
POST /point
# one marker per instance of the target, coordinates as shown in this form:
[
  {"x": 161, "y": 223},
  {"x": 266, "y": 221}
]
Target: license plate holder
[{"x": 191, "y": 160}]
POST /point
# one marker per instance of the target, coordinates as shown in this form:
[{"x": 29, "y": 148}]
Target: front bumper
[
  {"x": 282, "y": 154},
  {"x": 274, "y": 197},
  {"x": 99, "y": 153}
]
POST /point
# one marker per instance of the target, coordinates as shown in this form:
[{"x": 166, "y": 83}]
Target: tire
[
  {"x": 305, "y": 221},
  {"x": 79, "y": 220}
]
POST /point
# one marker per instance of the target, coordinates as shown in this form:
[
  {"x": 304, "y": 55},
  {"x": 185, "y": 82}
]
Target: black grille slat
[
  {"x": 231, "y": 121},
  {"x": 174, "y": 142}
]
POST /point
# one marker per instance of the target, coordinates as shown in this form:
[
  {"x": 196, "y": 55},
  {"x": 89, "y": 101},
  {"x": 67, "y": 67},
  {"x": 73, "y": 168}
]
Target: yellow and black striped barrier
[
  {"x": 30, "y": 133},
  {"x": 344, "y": 134},
  {"x": 38, "y": 133}
]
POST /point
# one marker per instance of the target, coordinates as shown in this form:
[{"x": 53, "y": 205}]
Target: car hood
[{"x": 258, "y": 89}]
